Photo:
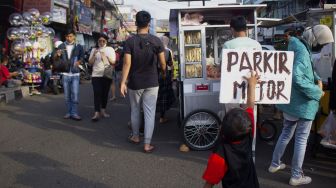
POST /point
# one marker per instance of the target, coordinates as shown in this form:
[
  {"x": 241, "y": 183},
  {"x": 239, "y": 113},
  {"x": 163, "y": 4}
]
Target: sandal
[
  {"x": 106, "y": 115},
  {"x": 163, "y": 120},
  {"x": 130, "y": 140},
  {"x": 150, "y": 150},
  {"x": 95, "y": 118}
]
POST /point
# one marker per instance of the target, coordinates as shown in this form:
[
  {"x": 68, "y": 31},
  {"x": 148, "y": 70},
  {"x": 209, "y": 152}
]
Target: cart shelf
[
  {"x": 191, "y": 62},
  {"x": 192, "y": 45}
]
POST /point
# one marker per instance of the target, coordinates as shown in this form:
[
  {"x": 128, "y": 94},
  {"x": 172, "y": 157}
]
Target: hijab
[{"x": 318, "y": 35}]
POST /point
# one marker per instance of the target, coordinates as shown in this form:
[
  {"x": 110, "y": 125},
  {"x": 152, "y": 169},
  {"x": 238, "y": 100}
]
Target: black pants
[{"x": 101, "y": 87}]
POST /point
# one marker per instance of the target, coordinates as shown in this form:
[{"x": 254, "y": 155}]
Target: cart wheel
[
  {"x": 201, "y": 129},
  {"x": 267, "y": 131}
]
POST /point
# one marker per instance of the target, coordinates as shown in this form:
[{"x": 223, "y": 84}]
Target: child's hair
[
  {"x": 70, "y": 31},
  {"x": 238, "y": 23},
  {"x": 4, "y": 58},
  {"x": 236, "y": 125}
]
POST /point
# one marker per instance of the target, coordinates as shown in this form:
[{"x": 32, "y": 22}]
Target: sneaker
[
  {"x": 76, "y": 117},
  {"x": 300, "y": 181},
  {"x": 67, "y": 116},
  {"x": 273, "y": 169}
]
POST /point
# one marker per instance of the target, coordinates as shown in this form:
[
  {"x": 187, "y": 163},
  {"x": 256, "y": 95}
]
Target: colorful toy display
[{"x": 28, "y": 29}]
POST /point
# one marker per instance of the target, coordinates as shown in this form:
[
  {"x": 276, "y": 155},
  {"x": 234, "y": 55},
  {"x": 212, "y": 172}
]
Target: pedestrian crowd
[{"x": 143, "y": 68}]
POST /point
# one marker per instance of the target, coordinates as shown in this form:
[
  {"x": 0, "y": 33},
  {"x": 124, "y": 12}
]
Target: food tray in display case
[
  {"x": 193, "y": 70},
  {"x": 193, "y": 54},
  {"x": 192, "y": 37}
]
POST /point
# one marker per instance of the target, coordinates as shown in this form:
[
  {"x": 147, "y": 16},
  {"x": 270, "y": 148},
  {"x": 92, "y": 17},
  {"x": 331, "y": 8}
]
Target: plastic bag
[{"x": 328, "y": 131}]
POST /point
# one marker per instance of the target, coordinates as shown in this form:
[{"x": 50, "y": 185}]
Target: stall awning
[{"x": 270, "y": 22}]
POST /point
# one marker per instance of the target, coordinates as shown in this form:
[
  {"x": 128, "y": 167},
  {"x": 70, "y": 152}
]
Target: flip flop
[
  {"x": 129, "y": 139},
  {"x": 149, "y": 150},
  {"x": 164, "y": 121}
]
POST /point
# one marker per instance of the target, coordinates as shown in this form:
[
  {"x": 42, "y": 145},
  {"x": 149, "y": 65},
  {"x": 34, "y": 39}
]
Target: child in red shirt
[{"x": 231, "y": 162}]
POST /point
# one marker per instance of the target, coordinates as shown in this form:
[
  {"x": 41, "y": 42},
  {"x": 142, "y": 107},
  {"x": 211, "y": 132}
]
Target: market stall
[{"x": 201, "y": 33}]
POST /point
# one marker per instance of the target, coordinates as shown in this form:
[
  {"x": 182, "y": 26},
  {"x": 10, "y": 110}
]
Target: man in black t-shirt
[{"x": 142, "y": 53}]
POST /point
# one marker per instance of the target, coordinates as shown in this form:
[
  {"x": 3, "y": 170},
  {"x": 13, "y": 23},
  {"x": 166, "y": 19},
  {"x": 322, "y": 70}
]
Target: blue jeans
[
  {"x": 46, "y": 78},
  {"x": 301, "y": 128},
  {"x": 148, "y": 97},
  {"x": 71, "y": 93}
]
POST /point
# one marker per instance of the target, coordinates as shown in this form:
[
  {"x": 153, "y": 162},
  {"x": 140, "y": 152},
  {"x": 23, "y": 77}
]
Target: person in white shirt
[
  {"x": 101, "y": 57},
  {"x": 241, "y": 40}
]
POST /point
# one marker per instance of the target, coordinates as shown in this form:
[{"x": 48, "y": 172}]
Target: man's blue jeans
[
  {"x": 71, "y": 93},
  {"x": 301, "y": 128}
]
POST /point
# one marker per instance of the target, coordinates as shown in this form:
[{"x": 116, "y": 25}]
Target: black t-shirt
[{"x": 144, "y": 50}]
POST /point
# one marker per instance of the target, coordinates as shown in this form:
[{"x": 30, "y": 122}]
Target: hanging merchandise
[{"x": 27, "y": 32}]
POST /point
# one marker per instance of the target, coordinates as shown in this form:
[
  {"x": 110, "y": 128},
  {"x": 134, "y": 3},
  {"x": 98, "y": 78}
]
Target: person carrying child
[{"x": 231, "y": 161}]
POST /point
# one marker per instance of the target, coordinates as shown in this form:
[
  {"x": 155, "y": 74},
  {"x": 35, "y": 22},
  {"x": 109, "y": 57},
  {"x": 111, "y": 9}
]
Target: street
[{"x": 40, "y": 149}]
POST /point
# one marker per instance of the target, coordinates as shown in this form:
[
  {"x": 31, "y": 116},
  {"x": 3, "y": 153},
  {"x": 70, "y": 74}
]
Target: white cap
[{"x": 57, "y": 43}]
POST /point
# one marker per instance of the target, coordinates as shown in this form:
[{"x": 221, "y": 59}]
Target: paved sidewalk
[{"x": 8, "y": 95}]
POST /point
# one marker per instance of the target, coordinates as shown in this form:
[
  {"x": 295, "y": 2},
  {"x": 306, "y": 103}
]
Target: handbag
[{"x": 108, "y": 72}]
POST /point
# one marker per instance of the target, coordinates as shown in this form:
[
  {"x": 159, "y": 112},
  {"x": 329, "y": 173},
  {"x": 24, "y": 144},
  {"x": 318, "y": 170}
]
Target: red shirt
[
  {"x": 4, "y": 74},
  {"x": 217, "y": 167}
]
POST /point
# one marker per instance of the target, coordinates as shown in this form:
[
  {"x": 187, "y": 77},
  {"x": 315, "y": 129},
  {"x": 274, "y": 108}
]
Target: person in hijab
[{"x": 305, "y": 96}]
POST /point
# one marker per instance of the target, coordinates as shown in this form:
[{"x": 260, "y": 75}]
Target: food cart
[{"x": 201, "y": 33}]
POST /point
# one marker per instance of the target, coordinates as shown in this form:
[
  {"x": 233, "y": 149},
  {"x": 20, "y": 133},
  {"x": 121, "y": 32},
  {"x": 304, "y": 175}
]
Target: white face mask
[{"x": 102, "y": 46}]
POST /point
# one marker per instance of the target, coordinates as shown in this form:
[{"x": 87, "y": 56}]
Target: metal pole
[{"x": 71, "y": 9}]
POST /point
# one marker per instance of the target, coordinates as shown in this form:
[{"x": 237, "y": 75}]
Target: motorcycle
[
  {"x": 84, "y": 71},
  {"x": 55, "y": 83}
]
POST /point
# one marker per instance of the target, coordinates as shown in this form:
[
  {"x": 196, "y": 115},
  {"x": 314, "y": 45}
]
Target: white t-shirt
[
  {"x": 99, "y": 65},
  {"x": 69, "y": 48},
  {"x": 242, "y": 43}
]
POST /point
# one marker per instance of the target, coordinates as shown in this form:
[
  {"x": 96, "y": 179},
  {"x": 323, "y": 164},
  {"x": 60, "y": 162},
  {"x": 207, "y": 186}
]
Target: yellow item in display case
[
  {"x": 176, "y": 70},
  {"x": 323, "y": 112}
]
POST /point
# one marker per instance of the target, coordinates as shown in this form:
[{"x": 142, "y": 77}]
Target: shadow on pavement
[{"x": 42, "y": 172}]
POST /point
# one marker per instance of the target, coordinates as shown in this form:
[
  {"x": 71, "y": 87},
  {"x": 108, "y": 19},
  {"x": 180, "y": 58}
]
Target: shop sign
[
  {"x": 202, "y": 87},
  {"x": 130, "y": 26},
  {"x": 59, "y": 14},
  {"x": 274, "y": 68},
  {"x": 64, "y": 3},
  {"x": 326, "y": 20},
  {"x": 84, "y": 14},
  {"x": 116, "y": 2},
  {"x": 80, "y": 39},
  {"x": 86, "y": 2},
  {"x": 85, "y": 29},
  {"x": 41, "y": 5}
]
